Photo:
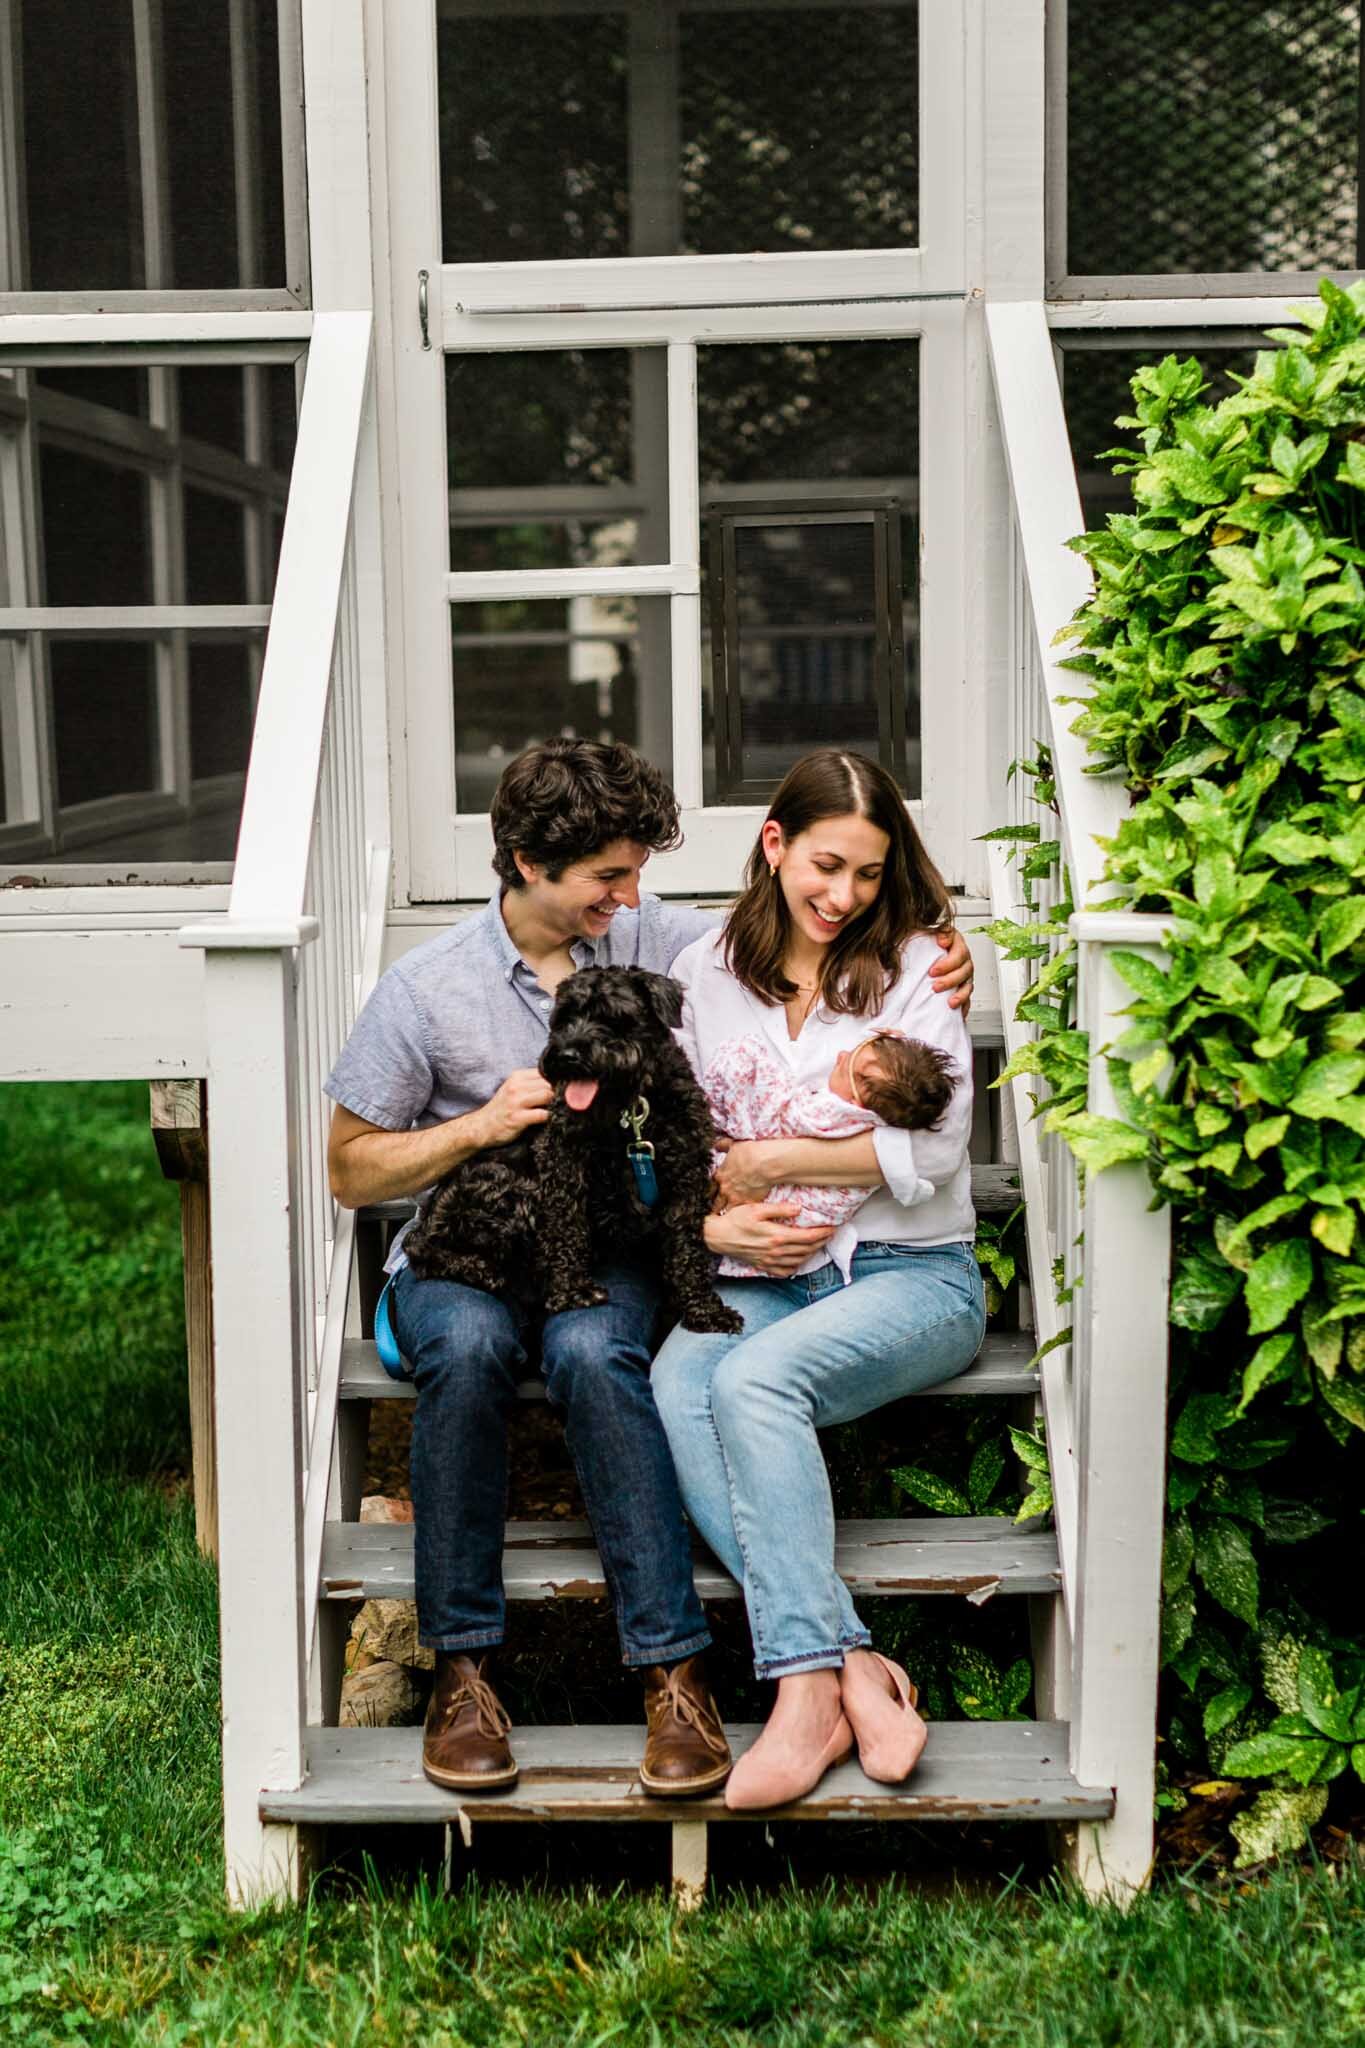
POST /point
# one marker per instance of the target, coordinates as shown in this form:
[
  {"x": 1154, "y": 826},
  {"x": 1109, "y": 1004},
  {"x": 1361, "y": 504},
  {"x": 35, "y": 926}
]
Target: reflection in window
[
  {"x": 581, "y": 668},
  {"x": 785, "y": 128},
  {"x": 800, "y": 129},
  {"x": 546, "y": 544},
  {"x": 534, "y": 152},
  {"x": 580, "y": 436},
  {"x": 809, "y": 457},
  {"x": 1217, "y": 137},
  {"x": 548, "y": 416}
]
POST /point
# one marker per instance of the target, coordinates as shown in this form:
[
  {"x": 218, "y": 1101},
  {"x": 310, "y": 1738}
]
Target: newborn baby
[{"x": 883, "y": 1079}]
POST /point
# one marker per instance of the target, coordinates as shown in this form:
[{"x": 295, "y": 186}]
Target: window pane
[
  {"x": 95, "y": 536},
  {"x": 85, "y": 137},
  {"x": 212, "y": 405},
  {"x": 800, "y": 129},
  {"x": 114, "y": 385},
  {"x": 796, "y": 128},
  {"x": 534, "y": 153},
  {"x": 215, "y": 549},
  {"x": 282, "y": 406},
  {"x": 1095, "y": 389},
  {"x": 805, "y": 411},
  {"x": 198, "y": 63},
  {"x": 545, "y": 544},
  {"x": 14, "y": 809},
  {"x": 220, "y": 709},
  {"x": 806, "y": 640},
  {"x": 792, "y": 427},
  {"x": 1217, "y": 137},
  {"x": 552, "y": 416},
  {"x": 82, "y": 188},
  {"x": 103, "y": 715},
  {"x": 582, "y": 667}
]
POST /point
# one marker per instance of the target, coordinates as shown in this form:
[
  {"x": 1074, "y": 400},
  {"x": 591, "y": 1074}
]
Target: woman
[{"x": 831, "y": 939}]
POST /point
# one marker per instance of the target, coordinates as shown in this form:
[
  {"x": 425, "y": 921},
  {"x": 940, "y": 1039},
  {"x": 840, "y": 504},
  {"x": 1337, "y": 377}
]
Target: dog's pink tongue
[{"x": 579, "y": 1094}]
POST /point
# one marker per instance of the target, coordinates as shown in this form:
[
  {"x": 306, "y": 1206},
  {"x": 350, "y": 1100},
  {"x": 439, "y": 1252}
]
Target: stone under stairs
[{"x": 970, "y": 1770}]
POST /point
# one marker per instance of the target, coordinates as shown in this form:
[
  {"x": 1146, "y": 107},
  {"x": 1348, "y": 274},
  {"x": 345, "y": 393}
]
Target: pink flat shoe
[
  {"x": 890, "y": 1733},
  {"x": 760, "y": 1780}
]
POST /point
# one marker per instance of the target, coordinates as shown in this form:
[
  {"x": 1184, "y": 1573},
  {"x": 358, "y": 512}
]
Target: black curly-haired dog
[{"x": 535, "y": 1218}]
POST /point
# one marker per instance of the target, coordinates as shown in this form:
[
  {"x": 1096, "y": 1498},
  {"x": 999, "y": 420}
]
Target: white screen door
[{"x": 680, "y": 452}]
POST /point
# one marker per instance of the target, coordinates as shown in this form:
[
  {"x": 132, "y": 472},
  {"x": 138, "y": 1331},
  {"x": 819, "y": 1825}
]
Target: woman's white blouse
[{"x": 927, "y": 1198}]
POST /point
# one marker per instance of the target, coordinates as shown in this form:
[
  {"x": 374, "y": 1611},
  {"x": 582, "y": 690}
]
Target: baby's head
[{"x": 901, "y": 1080}]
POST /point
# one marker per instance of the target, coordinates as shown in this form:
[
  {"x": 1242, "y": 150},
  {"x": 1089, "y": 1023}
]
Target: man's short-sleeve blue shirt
[{"x": 451, "y": 1020}]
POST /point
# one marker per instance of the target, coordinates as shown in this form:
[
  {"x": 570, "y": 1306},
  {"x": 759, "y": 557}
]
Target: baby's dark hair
[{"x": 912, "y": 1085}]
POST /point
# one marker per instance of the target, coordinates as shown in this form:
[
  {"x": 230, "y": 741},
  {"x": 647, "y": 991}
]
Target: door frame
[{"x": 676, "y": 303}]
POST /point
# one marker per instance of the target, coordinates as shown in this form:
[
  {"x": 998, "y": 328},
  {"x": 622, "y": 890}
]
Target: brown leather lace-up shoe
[
  {"x": 686, "y": 1751},
  {"x": 464, "y": 1742}
]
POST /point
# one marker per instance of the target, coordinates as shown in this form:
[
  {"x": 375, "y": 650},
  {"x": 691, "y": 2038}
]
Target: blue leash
[{"x": 385, "y": 1343}]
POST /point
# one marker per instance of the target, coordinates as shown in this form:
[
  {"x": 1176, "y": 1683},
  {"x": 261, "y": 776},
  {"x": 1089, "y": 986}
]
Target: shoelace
[
  {"x": 494, "y": 1721},
  {"x": 692, "y": 1713}
]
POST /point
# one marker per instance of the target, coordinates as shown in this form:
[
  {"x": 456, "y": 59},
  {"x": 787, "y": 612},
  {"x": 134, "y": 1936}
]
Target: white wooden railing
[
  {"x": 1104, "y": 1389},
  {"x": 285, "y": 972}
]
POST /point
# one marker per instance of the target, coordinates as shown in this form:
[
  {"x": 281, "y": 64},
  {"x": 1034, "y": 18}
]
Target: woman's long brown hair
[{"x": 861, "y": 965}]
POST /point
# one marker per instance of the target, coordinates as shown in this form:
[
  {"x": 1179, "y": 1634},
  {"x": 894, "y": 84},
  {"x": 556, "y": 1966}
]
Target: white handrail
[
  {"x": 1098, "y": 1258},
  {"x": 285, "y": 972},
  {"x": 1046, "y": 504},
  {"x": 270, "y": 878}
]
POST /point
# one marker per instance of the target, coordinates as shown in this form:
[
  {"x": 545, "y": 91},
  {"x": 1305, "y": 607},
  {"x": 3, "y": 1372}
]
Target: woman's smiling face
[{"x": 828, "y": 874}]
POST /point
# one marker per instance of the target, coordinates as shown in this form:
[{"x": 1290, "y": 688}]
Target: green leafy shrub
[{"x": 1224, "y": 645}]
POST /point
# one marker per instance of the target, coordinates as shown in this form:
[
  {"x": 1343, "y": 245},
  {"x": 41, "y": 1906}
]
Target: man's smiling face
[{"x": 582, "y": 903}]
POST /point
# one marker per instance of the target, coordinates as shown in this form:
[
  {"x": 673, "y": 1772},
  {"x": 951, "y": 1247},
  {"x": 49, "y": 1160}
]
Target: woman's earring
[{"x": 772, "y": 869}]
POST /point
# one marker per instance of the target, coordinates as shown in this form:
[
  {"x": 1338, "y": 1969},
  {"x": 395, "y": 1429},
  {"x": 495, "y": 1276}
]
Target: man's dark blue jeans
[{"x": 467, "y": 1350}]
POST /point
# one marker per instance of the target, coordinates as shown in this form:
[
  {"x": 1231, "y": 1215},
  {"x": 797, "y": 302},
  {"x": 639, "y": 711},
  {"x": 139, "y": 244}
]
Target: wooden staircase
[
  {"x": 970, "y": 1770},
  {"x": 281, "y": 976}
]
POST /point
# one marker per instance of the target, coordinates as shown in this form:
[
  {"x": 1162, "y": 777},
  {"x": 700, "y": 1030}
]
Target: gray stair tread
[
  {"x": 970, "y": 1770},
  {"x": 995, "y": 1191},
  {"x": 976, "y": 1556},
  {"x": 1001, "y": 1367}
]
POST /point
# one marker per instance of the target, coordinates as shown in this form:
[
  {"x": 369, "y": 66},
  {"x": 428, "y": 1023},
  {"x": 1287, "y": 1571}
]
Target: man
[{"x": 441, "y": 1064}]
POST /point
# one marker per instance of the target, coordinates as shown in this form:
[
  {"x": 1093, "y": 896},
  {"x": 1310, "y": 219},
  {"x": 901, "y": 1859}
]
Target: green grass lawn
[{"x": 112, "y": 1927}]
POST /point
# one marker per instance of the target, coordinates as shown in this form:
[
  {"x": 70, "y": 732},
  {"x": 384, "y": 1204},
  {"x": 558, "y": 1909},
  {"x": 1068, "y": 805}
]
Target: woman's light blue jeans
[{"x": 741, "y": 1415}]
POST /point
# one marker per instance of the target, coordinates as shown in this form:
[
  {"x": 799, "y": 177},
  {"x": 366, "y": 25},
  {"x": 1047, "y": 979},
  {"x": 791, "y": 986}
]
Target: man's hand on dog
[
  {"x": 523, "y": 1099},
  {"x": 763, "y": 1234}
]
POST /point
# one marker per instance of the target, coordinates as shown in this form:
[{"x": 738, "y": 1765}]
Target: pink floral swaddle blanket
[{"x": 754, "y": 1095}]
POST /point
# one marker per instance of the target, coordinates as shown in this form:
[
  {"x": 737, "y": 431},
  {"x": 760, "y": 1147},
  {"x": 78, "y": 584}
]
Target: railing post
[
  {"x": 249, "y": 999},
  {"x": 1120, "y": 1349}
]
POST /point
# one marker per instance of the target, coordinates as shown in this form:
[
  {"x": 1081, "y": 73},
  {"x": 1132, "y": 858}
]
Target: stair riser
[{"x": 366, "y": 1561}]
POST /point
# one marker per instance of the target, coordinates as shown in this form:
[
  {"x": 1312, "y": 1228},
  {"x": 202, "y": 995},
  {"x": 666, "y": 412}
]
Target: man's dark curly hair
[{"x": 562, "y": 800}]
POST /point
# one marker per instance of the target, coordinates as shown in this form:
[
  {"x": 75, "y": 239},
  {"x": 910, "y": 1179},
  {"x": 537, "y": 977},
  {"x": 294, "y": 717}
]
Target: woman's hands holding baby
[
  {"x": 763, "y": 1234},
  {"x": 748, "y": 1171}
]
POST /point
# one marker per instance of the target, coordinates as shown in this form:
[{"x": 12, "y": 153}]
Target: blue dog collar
[
  {"x": 640, "y": 1152},
  {"x": 641, "y": 1159}
]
